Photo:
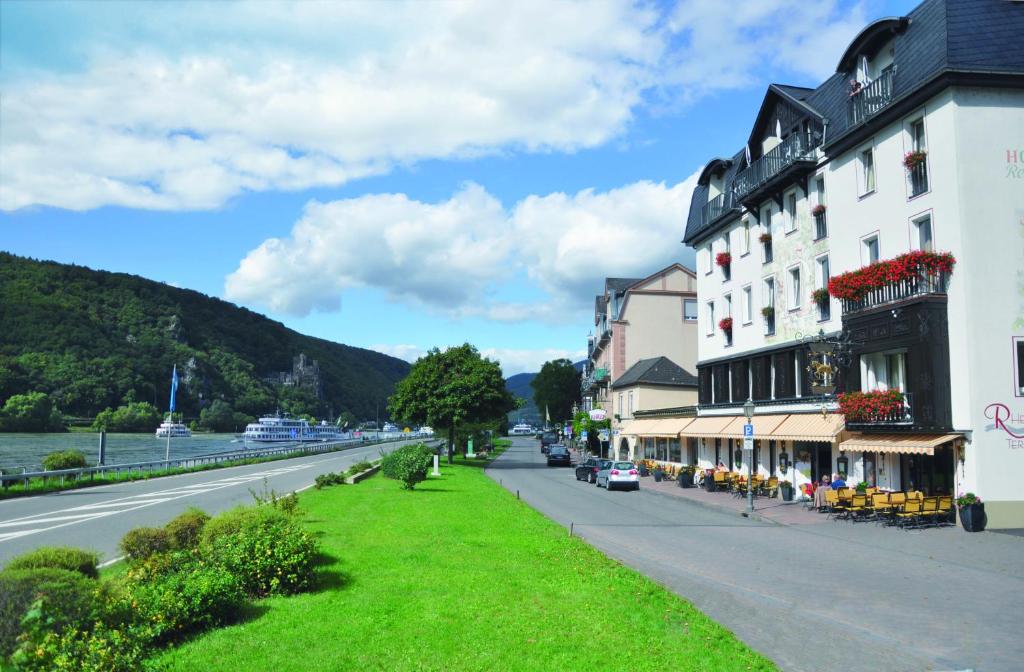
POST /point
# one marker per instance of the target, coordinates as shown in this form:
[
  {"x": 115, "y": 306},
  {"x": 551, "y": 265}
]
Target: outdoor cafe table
[{"x": 819, "y": 496}]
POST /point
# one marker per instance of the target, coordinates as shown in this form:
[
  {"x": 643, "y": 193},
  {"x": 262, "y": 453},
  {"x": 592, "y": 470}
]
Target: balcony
[
  {"x": 793, "y": 155},
  {"x": 900, "y": 417},
  {"x": 920, "y": 285},
  {"x": 871, "y": 99},
  {"x": 718, "y": 207}
]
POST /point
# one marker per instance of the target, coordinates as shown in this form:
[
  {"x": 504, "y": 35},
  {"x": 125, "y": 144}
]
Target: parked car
[
  {"x": 546, "y": 439},
  {"x": 558, "y": 454},
  {"x": 615, "y": 475},
  {"x": 587, "y": 470}
]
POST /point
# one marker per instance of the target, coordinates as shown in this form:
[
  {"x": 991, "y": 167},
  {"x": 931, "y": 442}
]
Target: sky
[{"x": 395, "y": 176}]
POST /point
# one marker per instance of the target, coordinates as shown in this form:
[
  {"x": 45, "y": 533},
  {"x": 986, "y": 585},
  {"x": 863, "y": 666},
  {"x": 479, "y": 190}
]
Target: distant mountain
[
  {"x": 519, "y": 386},
  {"x": 93, "y": 339}
]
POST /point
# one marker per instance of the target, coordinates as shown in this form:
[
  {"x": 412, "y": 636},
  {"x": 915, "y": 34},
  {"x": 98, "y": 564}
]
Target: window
[
  {"x": 746, "y": 236},
  {"x": 690, "y": 310},
  {"x": 825, "y": 305},
  {"x": 620, "y": 404},
  {"x": 820, "y": 221},
  {"x": 1018, "y": 365},
  {"x": 918, "y": 175},
  {"x": 883, "y": 371},
  {"x": 728, "y": 305},
  {"x": 631, "y": 403},
  {"x": 766, "y": 224},
  {"x": 711, "y": 318},
  {"x": 794, "y": 288},
  {"x": 871, "y": 249},
  {"x": 917, "y": 141},
  {"x": 922, "y": 233},
  {"x": 710, "y": 256},
  {"x": 748, "y": 309},
  {"x": 789, "y": 214},
  {"x": 867, "y": 171},
  {"x": 819, "y": 189},
  {"x": 768, "y": 301}
]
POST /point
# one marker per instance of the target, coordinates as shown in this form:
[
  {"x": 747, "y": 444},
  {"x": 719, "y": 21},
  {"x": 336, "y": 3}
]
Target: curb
[{"x": 363, "y": 475}]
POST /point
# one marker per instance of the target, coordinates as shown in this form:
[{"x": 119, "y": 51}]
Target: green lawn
[{"x": 459, "y": 575}]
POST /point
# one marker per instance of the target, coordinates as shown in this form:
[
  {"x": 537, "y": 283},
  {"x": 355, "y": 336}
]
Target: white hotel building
[{"x": 948, "y": 81}]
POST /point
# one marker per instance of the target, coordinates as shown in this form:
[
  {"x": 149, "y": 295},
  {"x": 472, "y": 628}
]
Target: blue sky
[{"x": 390, "y": 175}]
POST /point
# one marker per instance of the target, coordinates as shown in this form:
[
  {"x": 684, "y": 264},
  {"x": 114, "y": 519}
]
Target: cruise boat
[
  {"x": 521, "y": 429},
  {"x": 283, "y": 429},
  {"x": 170, "y": 429}
]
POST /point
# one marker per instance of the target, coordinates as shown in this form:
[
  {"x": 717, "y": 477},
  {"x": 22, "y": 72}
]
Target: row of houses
[{"x": 859, "y": 278}]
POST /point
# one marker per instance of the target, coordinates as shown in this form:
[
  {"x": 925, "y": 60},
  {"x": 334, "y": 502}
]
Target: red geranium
[
  {"x": 723, "y": 259},
  {"x": 819, "y": 209},
  {"x": 765, "y": 237},
  {"x": 854, "y": 285},
  {"x": 913, "y": 159},
  {"x": 725, "y": 324},
  {"x": 869, "y": 406}
]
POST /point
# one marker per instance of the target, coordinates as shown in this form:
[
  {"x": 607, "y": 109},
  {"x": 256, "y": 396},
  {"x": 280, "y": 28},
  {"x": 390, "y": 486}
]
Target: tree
[
  {"x": 556, "y": 388},
  {"x": 220, "y": 417},
  {"x": 445, "y": 389},
  {"x": 31, "y": 412}
]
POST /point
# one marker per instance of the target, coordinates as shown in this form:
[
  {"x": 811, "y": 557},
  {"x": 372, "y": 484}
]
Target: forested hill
[{"x": 93, "y": 339}]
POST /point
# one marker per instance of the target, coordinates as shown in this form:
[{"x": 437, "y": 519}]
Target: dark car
[
  {"x": 587, "y": 470},
  {"x": 546, "y": 439},
  {"x": 558, "y": 455}
]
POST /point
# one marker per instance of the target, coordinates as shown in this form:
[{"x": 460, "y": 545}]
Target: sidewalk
[{"x": 769, "y": 510}]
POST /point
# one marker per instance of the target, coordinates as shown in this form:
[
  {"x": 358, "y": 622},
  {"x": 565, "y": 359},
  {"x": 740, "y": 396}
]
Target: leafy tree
[
  {"x": 556, "y": 388},
  {"x": 31, "y": 412},
  {"x": 581, "y": 422},
  {"x": 138, "y": 417},
  {"x": 220, "y": 417},
  {"x": 347, "y": 419},
  {"x": 445, "y": 389}
]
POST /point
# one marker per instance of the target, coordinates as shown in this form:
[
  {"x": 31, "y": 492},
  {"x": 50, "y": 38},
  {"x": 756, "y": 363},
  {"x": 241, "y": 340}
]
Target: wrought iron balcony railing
[
  {"x": 716, "y": 207},
  {"x": 919, "y": 179},
  {"x": 920, "y": 285},
  {"x": 873, "y": 98},
  {"x": 795, "y": 148}
]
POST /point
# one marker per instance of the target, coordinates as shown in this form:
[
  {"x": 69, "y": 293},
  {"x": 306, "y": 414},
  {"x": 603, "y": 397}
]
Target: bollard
[
  {"x": 517, "y": 494},
  {"x": 571, "y": 525}
]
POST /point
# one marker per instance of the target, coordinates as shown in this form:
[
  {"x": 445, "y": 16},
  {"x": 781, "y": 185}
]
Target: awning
[
  {"x": 638, "y": 427},
  {"x": 763, "y": 426},
  {"x": 655, "y": 426},
  {"x": 809, "y": 427},
  {"x": 709, "y": 425},
  {"x": 921, "y": 444}
]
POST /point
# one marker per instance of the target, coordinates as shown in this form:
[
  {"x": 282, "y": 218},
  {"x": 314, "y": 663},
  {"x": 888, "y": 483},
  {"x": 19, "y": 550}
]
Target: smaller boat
[
  {"x": 170, "y": 429},
  {"x": 522, "y": 429}
]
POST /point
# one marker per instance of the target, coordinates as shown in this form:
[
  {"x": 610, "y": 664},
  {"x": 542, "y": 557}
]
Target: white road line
[{"x": 51, "y": 519}]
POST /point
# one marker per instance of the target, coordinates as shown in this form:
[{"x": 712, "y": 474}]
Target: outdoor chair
[
  {"x": 831, "y": 502},
  {"x": 880, "y": 507},
  {"x": 929, "y": 511},
  {"x": 720, "y": 482},
  {"x": 945, "y": 511},
  {"x": 858, "y": 508},
  {"x": 910, "y": 516},
  {"x": 771, "y": 487}
]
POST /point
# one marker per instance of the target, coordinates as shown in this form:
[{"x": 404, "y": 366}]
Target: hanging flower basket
[
  {"x": 725, "y": 324},
  {"x": 723, "y": 259},
  {"x": 870, "y": 406},
  {"x": 912, "y": 160},
  {"x": 768, "y": 312},
  {"x": 854, "y": 285},
  {"x": 765, "y": 237},
  {"x": 819, "y": 209},
  {"x": 820, "y": 296}
]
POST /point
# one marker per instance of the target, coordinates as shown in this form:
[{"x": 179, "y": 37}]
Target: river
[{"x": 27, "y": 450}]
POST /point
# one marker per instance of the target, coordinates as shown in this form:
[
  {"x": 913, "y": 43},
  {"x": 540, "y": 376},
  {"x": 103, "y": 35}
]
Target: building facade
[
  {"x": 651, "y": 384},
  {"x": 907, "y": 162}
]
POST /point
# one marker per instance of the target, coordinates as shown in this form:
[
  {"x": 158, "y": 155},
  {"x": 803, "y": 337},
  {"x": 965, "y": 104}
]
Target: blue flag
[{"x": 174, "y": 385}]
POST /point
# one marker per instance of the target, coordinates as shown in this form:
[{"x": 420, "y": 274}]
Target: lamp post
[{"x": 748, "y": 411}]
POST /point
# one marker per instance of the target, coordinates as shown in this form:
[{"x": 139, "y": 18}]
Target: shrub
[
  {"x": 358, "y": 468},
  {"x": 189, "y": 598},
  {"x": 143, "y": 542},
  {"x": 64, "y": 459},
  {"x": 330, "y": 478},
  {"x": 264, "y": 548},
  {"x": 58, "y": 557},
  {"x": 72, "y": 596},
  {"x": 103, "y": 649},
  {"x": 185, "y": 530},
  {"x": 408, "y": 464}
]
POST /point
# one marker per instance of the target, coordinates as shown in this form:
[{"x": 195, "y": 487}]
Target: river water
[{"x": 28, "y": 450}]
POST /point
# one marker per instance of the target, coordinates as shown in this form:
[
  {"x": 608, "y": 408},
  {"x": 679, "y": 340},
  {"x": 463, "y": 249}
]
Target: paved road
[
  {"x": 837, "y": 596},
  {"x": 97, "y": 518}
]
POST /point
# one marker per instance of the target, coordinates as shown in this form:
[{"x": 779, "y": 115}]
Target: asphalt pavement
[
  {"x": 97, "y": 518},
  {"x": 837, "y": 596}
]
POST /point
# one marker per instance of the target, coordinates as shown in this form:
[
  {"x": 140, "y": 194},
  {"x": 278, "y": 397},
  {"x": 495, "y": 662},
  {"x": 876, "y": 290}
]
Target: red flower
[
  {"x": 912, "y": 159},
  {"x": 854, "y": 285},
  {"x": 765, "y": 237},
  {"x": 870, "y": 406},
  {"x": 725, "y": 324},
  {"x": 819, "y": 209},
  {"x": 723, "y": 259}
]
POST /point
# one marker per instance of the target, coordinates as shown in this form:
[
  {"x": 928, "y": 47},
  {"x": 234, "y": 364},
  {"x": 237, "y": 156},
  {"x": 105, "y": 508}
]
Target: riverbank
[
  {"x": 459, "y": 575},
  {"x": 25, "y": 452}
]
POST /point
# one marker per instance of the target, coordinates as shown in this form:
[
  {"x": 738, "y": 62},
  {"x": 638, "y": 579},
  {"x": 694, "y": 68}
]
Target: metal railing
[
  {"x": 820, "y": 226},
  {"x": 919, "y": 285},
  {"x": 919, "y": 179},
  {"x": 126, "y": 469},
  {"x": 716, "y": 207},
  {"x": 792, "y": 149},
  {"x": 873, "y": 98}
]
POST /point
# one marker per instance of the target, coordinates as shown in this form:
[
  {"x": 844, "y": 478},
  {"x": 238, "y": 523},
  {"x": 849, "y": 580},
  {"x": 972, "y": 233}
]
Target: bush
[
  {"x": 408, "y": 464},
  {"x": 331, "y": 478},
  {"x": 138, "y": 416},
  {"x": 186, "y": 529},
  {"x": 64, "y": 459},
  {"x": 143, "y": 542},
  {"x": 264, "y": 548},
  {"x": 189, "y": 598},
  {"x": 103, "y": 649},
  {"x": 358, "y": 468},
  {"x": 58, "y": 557},
  {"x": 73, "y": 598}
]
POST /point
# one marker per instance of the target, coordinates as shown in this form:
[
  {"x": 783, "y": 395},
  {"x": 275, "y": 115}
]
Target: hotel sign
[{"x": 1003, "y": 419}]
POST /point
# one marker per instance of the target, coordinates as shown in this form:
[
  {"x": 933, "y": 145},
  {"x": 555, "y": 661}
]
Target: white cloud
[
  {"x": 512, "y": 360},
  {"x": 408, "y": 352},
  {"x": 450, "y": 256}
]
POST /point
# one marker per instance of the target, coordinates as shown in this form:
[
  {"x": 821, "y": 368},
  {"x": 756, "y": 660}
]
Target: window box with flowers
[
  {"x": 725, "y": 324},
  {"x": 768, "y": 313},
  {"x": 872, "y": 407},
  {"x": 907, "y": 275},
  {"x": 724, "y": 261},
  {"x": 972, "y": 512},
  {"x": 766, "y": 242},
  {"x": 822, "y": 300},
  {"x": 820, "y": 225},
  {"x": 916, "y": 164}
]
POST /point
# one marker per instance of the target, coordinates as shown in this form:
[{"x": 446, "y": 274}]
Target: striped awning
[
  {"x": 764, "y": 425},
  {"x": 920, "y": 444},
  {"x": 638, "y": 427},
  {"x": 809, "y": 427},
  {"x": 708, "y": 426},
  {"x": 655, "y": 426}
]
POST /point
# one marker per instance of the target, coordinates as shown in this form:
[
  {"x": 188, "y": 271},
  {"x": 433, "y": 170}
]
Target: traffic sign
[{"x": 748, "y": 436}]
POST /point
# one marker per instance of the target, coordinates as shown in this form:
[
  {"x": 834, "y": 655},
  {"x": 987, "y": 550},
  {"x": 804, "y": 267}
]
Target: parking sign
[{"x": 748, "y": 436}]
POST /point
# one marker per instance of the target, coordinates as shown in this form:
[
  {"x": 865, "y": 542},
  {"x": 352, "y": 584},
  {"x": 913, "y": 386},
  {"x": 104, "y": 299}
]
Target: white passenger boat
[
  {"x": 170, "y": 429},
  {"x": 283, "y": 429}
]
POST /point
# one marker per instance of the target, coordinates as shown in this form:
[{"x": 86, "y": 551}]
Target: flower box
[
  {"x": 725, "y": 324},
  {"x": 768, "y": 312},
  {"x": 723, "y": 259},
  {"x": 913, "y": 159},
  {"x": 820, "y": 296},
  {"x": 855, "y": 285},
  {"x": 765, "y": 238},
  {"x": 819, "y": 209},
  {"x": 871, "y": 406}
]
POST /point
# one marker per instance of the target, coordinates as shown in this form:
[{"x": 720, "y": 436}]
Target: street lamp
[{"x": 748, "y": 411}]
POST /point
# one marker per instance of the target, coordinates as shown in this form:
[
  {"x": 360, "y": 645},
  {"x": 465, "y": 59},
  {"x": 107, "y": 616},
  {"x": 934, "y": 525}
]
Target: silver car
[{"x": 615, "y": 475}]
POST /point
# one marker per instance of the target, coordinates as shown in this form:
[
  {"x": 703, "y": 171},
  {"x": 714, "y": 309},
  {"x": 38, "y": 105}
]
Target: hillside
[
  {"x": 94, "y": 339},
  {"x": 519, "y": 386}
]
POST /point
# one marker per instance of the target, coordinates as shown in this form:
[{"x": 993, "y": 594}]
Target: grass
[{"x": 459, "y": 575}]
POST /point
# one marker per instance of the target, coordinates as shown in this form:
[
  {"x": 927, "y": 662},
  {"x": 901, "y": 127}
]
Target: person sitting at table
[
  {"x": 721, "y": 466},
  {"x": 839, "y": 482}
]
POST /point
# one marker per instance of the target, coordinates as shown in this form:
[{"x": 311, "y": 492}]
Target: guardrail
[{"x": 194, "y": 461}]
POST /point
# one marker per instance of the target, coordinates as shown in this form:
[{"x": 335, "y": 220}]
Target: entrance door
[{"x": 821, "y": 464}]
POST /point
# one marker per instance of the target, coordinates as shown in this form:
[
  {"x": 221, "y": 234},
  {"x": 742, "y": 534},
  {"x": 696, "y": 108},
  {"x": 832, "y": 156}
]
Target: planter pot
[
  {"x": 973, "y": 518},
  {"x": 709, "y": 482},
  {"x": 658, "y": 476},
  {"x": 786, "y": 488},
  {"x": 685, "y": 480},
  {"x": 643, "y": 470}
]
